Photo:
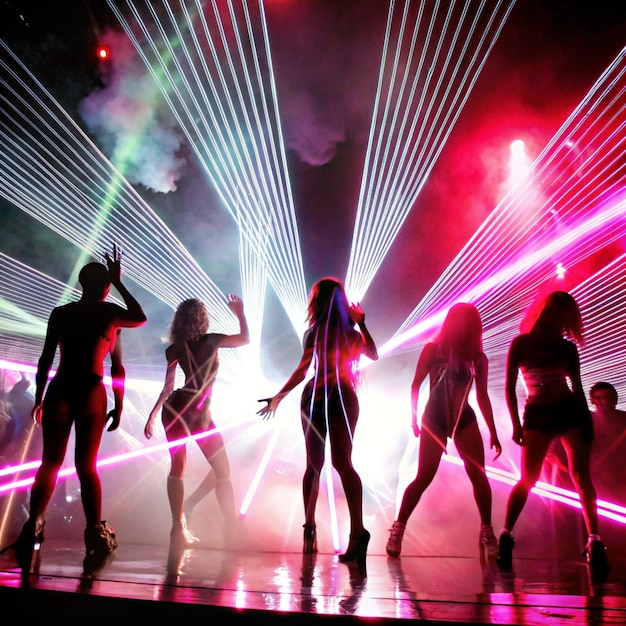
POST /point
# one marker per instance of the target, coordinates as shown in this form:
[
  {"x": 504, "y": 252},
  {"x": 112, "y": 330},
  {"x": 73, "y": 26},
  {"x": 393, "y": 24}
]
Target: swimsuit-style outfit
[
  {"x": 329, "y": 400},
  {"x": 187, "y": 409},
  {"x": 447, "y": 409}
]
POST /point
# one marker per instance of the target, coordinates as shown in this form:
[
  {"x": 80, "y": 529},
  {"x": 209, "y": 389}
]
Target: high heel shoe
[
  {"x": 309, "y": 543},
  {"x": 487, "y": 541},
  {"x": 595, "y": 552},
  {"x": 100, "y": 540},
  {"x": 30, "y": 539},
  {"x": 357, "y": 549},
  {"x": 394, "y": 543}
]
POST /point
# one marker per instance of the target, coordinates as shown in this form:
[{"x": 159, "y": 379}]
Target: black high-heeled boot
[
  {"x": 357, "y": 549},
  {"x": 30, "y": 539},
  {"x": 100, "y": 540},
  {"x": 309, "y": 542}
]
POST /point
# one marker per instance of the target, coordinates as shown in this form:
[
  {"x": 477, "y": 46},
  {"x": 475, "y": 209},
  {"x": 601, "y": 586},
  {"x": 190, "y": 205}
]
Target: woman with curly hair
[
  {"x": 186, "y": 411},
  {"x": 329, "y": 404},
  {"x": 546, "y": 354},
  {"x": 454, "y": 361}
]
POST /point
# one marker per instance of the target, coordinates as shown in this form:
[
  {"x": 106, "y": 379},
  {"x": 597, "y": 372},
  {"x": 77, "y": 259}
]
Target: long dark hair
[
  {"x": 329, "y": 319},
  {"x": 328, "y": 300},
  {"x": 560, "y": 308},
  {"x": 462, "y": 332}
]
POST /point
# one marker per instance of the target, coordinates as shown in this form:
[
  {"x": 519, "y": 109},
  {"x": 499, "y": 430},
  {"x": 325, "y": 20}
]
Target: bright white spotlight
[{"x": 519, "y": 163}]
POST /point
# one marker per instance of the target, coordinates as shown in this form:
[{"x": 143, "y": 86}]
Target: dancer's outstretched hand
[{"x": 270, "y": 408}]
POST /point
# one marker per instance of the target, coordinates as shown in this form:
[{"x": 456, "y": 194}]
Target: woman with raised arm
[
  {"x": 85, "y": 332},
  {"x": 329, "y": 404},
  {"x": 186, "y": 411}
]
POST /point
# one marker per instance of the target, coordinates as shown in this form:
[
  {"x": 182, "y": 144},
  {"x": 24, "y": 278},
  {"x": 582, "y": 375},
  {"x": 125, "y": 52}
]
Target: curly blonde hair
[{"x": 190, "y": 321}]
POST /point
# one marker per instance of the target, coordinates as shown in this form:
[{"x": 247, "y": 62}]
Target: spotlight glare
[
  {"x": 518, "y": 162},
  {"x": 103, "y": 53}
]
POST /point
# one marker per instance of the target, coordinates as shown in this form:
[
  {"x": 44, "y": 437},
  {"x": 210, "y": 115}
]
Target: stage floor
[{"x": 141, "y": 582}]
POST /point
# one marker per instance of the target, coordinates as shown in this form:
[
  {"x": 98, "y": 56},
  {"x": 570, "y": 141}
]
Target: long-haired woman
[
  {"x": 454, "y": 361},
  {"x": 547, "y": 356},
  {"x": 186, "y": 411},
  {"x": 329, "y": 404}
]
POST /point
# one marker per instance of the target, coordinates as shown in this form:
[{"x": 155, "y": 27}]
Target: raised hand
[
  {"x": 235, "y": 304},
  {"x": 114, "y": 263},
  {"x": 356, "y": 313}
]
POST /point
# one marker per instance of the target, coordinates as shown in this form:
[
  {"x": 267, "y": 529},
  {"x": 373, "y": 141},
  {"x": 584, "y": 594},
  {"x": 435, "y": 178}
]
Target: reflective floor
[
  {"x": 145, "y": 582},
  {"x": 262, "y": 577}
]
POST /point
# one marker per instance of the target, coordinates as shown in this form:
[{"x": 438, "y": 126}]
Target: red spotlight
[{"x": 103, "y": 53}]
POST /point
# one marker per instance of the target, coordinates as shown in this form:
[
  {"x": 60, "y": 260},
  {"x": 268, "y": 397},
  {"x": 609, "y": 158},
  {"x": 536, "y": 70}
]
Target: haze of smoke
[{"x": 131, "y": 122}]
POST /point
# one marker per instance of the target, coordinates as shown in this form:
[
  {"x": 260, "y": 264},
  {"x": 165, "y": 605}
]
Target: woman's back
[
  {"x": 198, "y": 358},
  {"x": 546, "y": 366},
  {"x": 336, "y": 352}
]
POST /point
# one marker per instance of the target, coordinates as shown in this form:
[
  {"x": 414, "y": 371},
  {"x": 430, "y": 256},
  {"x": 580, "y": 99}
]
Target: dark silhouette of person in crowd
[
  {"x": 546, "y": 354},
  {"x": 609, "y": 445},
  {"x": 7, "y": 426},
  {"x": 607, "y": 449},
  {"x": 20, "y": 398},
  {"x": 329, "y": 404},
  {"x": 454, "y": 361},
  {"x": 85, "y": 332},
  {"x": 604, "y": 398},
  {"x": 19, "y": 444},
  {"x": 186, "y": 411},
  {"x": 21, "y": 441}
]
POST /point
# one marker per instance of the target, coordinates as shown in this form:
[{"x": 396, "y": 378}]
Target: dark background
[{"x": 547, "y": 57}]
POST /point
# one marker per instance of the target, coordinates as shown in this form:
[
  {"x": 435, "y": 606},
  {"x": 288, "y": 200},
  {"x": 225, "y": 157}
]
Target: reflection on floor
[
  {"x": 264, "y": 578},
  {"x": 145, "y": 582}
]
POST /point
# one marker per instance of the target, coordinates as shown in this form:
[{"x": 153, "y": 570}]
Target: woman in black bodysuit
[
  {"x": 556, "y": 406},
  {"x": 329, "y": 404},
  {"x": 453, "y": 363},
  {"x": 186, "y": 411}
]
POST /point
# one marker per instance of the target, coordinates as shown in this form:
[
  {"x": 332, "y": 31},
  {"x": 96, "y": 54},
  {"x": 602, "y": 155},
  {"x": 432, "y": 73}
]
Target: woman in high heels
[
  {"x": 329, "y": 404},
  {"x": 546, "y": 355},
  {"x": 187, "y": 410},
  {"x": 85, "y": 332},
  {"x": 453, "y": 362}
]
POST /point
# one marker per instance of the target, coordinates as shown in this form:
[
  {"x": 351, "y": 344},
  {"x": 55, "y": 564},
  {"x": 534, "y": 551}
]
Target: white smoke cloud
[
  {"x": 131, "y": 122},
  {"x": 319, "y": 50}
]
